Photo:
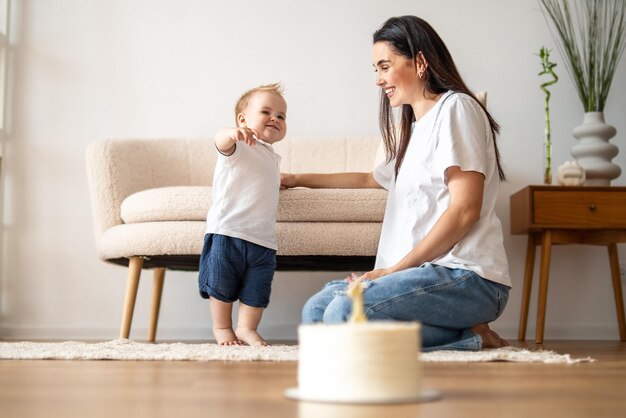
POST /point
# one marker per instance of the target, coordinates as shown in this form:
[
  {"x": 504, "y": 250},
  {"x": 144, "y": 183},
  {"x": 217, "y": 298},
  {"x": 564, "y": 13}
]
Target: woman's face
[{"x": 396, "y": 75}]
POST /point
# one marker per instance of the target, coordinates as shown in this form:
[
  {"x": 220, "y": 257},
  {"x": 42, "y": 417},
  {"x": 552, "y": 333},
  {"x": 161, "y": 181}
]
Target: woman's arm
[
  {"x": 330, "y": 181},
  {"x": 466, "y": 197}
]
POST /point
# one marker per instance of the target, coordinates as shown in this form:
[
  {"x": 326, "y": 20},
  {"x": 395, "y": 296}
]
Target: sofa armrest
[{"x": 117, "y": 168}]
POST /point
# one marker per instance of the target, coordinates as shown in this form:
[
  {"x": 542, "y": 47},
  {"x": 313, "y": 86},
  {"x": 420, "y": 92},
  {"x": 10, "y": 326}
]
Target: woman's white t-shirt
[
  {"x": 245, "y": 194},
  {"x": 455, "y": 132}
]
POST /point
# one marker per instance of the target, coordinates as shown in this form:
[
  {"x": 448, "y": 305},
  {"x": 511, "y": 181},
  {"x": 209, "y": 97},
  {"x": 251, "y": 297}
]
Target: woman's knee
[
  {"x": 338, "y": 310},
  {"x": 314, "y": 308},
  {"x": 313, "y": 311}
]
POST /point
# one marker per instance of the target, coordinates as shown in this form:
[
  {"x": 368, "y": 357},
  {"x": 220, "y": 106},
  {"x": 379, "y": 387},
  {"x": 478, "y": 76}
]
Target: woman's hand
[{"x": 375, "y": 274}]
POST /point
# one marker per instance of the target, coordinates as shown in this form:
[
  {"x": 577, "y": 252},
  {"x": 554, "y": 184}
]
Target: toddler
[{"x": 239, "y": 254}]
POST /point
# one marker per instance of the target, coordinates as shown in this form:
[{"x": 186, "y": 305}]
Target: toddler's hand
[
  {"x": 287, "y": 181},
  {"x": 226, "y": 138},
  {"x": 247, "y": 135}
]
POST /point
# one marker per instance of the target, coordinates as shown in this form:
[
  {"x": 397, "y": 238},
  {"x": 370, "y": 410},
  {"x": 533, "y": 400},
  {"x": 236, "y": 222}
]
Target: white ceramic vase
[{"x": 594, "y": 152}]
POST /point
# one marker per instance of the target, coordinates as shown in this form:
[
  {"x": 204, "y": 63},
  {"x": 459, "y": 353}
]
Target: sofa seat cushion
[
  {"x": 186, "y": 238},
  {"x": 191, "y": 203}
]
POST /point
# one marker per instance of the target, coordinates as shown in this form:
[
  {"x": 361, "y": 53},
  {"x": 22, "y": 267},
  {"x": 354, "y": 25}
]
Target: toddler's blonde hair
[{"x": 243, "y": 101}]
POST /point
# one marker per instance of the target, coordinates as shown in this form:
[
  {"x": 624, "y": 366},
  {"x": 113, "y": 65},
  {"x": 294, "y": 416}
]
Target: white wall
[{"x": 86, "y": 70}]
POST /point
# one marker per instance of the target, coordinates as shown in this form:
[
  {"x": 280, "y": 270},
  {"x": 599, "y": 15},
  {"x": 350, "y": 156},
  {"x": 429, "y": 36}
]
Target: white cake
[{"x": 367, "y": 362}]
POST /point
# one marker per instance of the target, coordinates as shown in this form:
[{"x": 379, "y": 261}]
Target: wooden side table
[{"x": 567, "y": 215}]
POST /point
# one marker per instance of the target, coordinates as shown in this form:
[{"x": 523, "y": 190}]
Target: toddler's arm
[{"x": 225, "y": 139}]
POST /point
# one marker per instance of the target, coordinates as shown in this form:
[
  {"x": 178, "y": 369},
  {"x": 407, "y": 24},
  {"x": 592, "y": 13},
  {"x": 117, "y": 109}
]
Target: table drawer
[{"x": 579, "y": 209}]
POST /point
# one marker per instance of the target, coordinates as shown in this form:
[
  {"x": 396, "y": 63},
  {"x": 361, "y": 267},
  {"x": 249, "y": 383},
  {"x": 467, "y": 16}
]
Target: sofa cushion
[
  {"x": 331, "y": 205},
  {"x": 191, "y": 203},
  {"x": 186, "y": 203},
  {"x": 293, "y": 238}
]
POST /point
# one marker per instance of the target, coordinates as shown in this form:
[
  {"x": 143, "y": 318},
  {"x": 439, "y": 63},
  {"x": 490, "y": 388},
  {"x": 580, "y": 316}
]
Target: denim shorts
[{"x": 234, "y": 269}]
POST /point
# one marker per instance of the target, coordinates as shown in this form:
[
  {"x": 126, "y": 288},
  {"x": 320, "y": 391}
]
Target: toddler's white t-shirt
[{"x": 245, "y": 194}]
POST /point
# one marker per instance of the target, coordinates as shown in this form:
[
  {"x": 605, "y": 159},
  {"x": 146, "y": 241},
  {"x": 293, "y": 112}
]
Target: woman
[{"x": 441, "y": 260}]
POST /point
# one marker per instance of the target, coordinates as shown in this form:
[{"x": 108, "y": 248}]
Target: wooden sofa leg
[
  {"x": 157, "y": 291},
  {"x": 135, "y": 264}
]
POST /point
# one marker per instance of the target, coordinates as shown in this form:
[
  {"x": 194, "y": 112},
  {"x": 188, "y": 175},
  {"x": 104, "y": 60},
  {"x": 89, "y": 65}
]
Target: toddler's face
[{"x": 267, "y": 114}]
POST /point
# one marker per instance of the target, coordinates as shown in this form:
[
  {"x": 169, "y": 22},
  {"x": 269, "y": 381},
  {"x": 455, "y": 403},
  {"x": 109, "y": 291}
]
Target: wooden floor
[{"x": 256, "y": 389}]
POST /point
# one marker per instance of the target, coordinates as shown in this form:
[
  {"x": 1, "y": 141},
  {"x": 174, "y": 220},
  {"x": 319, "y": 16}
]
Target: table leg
[
  {"x": 528, "y": 284},
  {"x": 617, "y": 290},
  {"x": 546, "y": 251}
]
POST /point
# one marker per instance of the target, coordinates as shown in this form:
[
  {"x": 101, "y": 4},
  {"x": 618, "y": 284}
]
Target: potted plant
[
  {"x": 547, "y": 68},
  {"x": 591, "y": 35}
]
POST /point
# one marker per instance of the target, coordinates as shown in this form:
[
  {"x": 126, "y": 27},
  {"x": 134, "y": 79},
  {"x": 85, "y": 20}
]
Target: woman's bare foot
[
  {"x": 226, "y": 336},
  {"x": 490, "y": 338},
  {"x": 250, "y": 336}
]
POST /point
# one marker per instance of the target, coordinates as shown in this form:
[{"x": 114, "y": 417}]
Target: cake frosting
[{"x": 359, "y": 362}]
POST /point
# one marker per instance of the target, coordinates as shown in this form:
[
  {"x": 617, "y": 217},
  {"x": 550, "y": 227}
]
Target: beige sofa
[{"x": 150, "y": 199}]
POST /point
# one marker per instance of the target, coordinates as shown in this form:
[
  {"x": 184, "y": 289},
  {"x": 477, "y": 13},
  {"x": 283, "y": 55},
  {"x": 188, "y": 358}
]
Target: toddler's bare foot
[
  {"x": 226, "y": 336},
  {"x": 250, "y": 336},
  {"x": 490, "y": 338}
]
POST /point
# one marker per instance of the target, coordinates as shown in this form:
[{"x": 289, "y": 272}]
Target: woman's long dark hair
[{"x": 408, "y": 36}]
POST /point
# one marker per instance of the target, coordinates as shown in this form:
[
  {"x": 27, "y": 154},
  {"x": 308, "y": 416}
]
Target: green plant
[
  {"x": 547, "y": 69},
  {"x": 590, "y": 35}
]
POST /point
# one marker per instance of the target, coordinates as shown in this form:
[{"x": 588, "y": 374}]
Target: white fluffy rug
[{"x": 129, "y": 350}]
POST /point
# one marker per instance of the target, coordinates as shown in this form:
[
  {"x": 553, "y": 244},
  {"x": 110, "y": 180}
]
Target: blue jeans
[{"x": 448, "y": 302}]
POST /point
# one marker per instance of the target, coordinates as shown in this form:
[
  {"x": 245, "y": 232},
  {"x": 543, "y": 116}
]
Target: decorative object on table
[
  {"x": 591, "y": 35},
  {"x": 547, "y": 69},
  {"x": 594, "y": 152},
  {"x": 570, "y": 174}
]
